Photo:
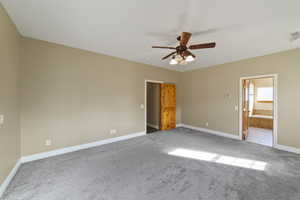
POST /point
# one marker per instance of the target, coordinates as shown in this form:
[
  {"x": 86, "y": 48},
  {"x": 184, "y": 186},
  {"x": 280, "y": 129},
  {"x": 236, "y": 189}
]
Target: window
[{"x": 264, "y": 94}]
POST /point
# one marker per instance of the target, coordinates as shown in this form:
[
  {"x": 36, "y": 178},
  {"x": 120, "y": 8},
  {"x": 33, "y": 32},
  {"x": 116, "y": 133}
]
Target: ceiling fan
[{"x": 182, "y": 54}]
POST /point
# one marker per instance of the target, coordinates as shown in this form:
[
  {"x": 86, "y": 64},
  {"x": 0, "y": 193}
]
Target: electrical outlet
[
  {"x": 113, "y": 131},
  {"x": 48, "y": 142},
  {"x": 227, "y": 95},
  {"x": 1, "y": 119},
  {"x": 206, "y": 124}
]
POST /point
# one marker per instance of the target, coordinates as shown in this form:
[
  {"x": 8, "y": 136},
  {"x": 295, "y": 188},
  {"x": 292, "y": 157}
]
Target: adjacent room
[
  {"x": 258, "y": 110},
  {"x": 143, "y": 100},
  {"x": 153, "y": 107}
]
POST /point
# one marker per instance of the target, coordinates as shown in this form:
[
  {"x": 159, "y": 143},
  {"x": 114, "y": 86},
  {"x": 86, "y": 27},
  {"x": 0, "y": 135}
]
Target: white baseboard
[
  {"x": 179, "y": 125},
  {"x": 219, "y": 133},
  {"x": 9, "y": 178},
  {"x": 25, "y": 159},
  {"x": 228, "y": 135},
  {"x": 78, "y": 147},
  {"x": 39, "y": 156},
  {"x": 287, "y": 148},
  {"x": 153, "y": 126}
]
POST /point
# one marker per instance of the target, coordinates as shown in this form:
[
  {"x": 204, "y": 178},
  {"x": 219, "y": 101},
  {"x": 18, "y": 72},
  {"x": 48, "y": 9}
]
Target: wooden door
[
  {"x": 167, "y": 106},
  {"x": 246, "y": 84}
]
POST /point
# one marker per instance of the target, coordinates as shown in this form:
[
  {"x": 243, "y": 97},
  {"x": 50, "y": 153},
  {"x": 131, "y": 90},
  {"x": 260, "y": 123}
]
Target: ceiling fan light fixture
[
  {"x": 183, "y": 62},
  {"x": 190, "y": 58},
  {"x": 173, "y": 62},
  {"x": 178, "y": 58}
]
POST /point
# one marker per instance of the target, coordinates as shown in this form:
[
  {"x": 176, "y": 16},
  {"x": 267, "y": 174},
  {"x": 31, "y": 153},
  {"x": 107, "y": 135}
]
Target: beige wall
[
  {"x": 153, "y": 104},
  {"x": 210, "y": 94},
  {"x": 73, "y": 96},
  {"x": 9, "y": 94}
]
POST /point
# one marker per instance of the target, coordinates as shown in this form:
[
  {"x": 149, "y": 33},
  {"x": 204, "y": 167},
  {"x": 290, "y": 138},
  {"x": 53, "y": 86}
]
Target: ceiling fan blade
[
  {"x": 185, "y": 37},
  {"x": 191, "y": 54},
  {"x": 168, "y": 55},
  {"x": 159, "y": 47},
  {"x": 203, "y": 46}
]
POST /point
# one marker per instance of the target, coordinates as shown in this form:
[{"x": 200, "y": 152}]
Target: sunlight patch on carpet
[{"x": 220, "y": 159}]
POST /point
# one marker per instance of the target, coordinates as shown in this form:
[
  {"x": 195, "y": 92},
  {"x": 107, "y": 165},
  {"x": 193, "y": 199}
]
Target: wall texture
[
  {"x": 210, "y": 94},
  {"x": 9, "y": 94},
  {"x": 153, "y": 104},
  {"x": 71, "y": 96}
]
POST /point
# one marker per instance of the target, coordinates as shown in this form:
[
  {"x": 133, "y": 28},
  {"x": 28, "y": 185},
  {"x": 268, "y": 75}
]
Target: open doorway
[
  {"x": 258, "y": 103},
  {"x": 153, "y": 107},
  {"x": 160, "y": 101}
]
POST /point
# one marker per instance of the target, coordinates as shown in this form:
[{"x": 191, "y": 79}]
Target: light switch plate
[{"x": 142, "y": 106}]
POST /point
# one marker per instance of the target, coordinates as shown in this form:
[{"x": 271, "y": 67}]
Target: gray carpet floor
[{"x": 181, "y": 164}]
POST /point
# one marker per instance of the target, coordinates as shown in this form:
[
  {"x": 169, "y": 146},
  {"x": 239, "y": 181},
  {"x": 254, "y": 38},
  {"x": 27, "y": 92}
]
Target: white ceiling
[{"x": 128, "y": 28}]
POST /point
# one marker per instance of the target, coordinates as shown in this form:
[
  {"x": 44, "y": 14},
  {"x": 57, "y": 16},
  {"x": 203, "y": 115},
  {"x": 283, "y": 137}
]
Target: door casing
[
  {"x": 145, "y": 105},
  {"x": 275, "y": 106},
  {"x": 245, "y": 109}
]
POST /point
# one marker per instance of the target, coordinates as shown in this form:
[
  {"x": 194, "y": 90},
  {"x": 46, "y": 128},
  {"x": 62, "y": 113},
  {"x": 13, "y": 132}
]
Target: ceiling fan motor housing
[{"x": 180, "y": 49}]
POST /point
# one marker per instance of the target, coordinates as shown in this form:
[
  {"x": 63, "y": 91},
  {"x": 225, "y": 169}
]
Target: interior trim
[
  {"x": 228, "y": 135},
  {"x": 43, "y": 155},
  {"x": 287, "y": 148},
  {"x": 153, "y": 126},
  {"x": 57, "y": 152},
  {"x": 9, "y": 178},
  {"x": 39, "y": 156},
  {"x": 145, "y": 99},
  {"x": 264, "y": 101},
  {"x": 219, "y": 133},
  {"x": 275, "y": 105}
]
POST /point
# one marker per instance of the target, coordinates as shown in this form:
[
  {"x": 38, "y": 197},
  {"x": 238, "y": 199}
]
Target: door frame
[
  {"x": 145, "y": 106},
  {"x": 275, "y": 105}
]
